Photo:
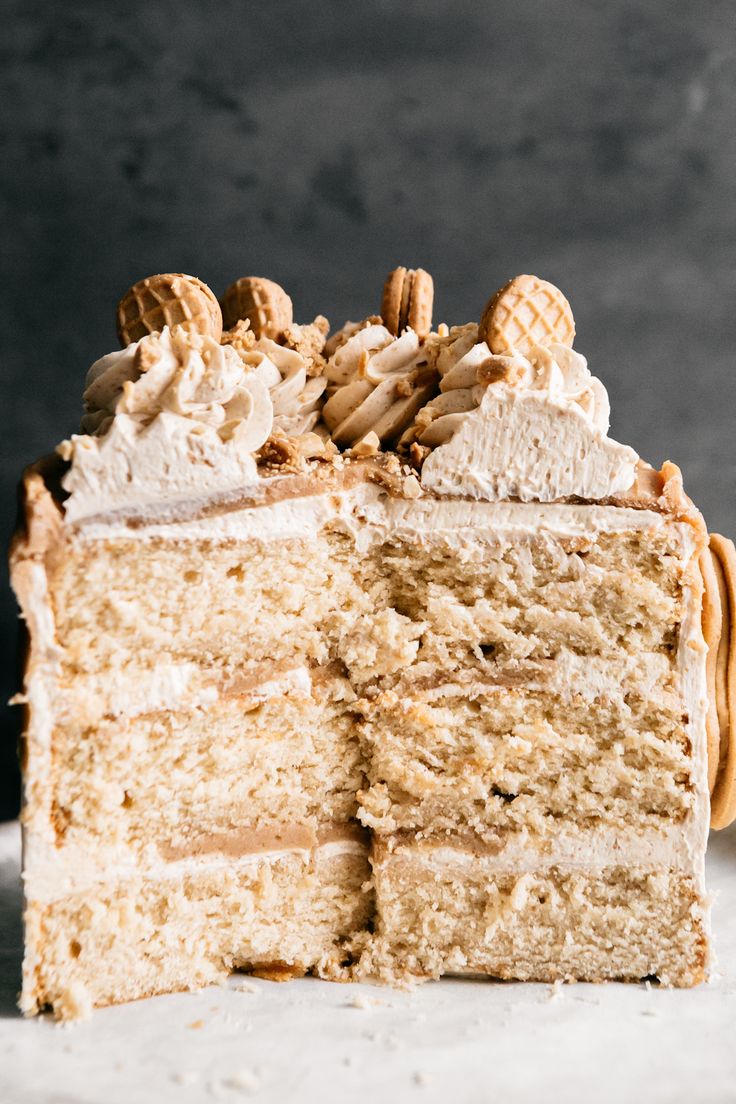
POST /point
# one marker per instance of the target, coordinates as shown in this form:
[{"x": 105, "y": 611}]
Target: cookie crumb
[{"x": 411, "y": 487}]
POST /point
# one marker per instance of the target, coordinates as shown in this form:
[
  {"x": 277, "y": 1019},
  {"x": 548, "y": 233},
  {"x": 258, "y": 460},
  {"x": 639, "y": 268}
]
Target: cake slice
[{"x": 436, "y": 703}]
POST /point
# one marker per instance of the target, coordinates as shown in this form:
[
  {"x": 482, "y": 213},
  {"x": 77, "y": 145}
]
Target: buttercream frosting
[
  {"x": 376, "y": 383},
  {"x": 177, "y": 414},
  {"x": 296, "y": 398},
  {"x": 533, "y": 428}
]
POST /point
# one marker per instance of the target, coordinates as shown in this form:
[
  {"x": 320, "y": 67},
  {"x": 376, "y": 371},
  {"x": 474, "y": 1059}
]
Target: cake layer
[
  {"x": 502, "y": 758},
  {"x": 450, "y": 910},
  {"x": 377, "y": 598},
  {"x": 139, "y": 936},
  {"x": 531, "y": 598},
  {"x": 168, "y": 777},
  {"x": 226, "y": 607}
]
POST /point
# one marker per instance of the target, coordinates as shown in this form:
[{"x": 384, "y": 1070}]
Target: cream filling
[
  {"x": 53, "y": 875},
  {"x": 167, "y": 686},
  {"x": 522, "y": 853},
  {"x": 372, "y": 515},
  {"x": 172, "y": 686},
  {"x": 568, "y": 674}
]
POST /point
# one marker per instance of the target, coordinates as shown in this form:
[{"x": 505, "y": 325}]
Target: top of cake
[{"x": 207, "y": 398}]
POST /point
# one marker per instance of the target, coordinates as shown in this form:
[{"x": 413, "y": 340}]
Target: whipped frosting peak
[
  {"x": 191, "y": 376},
  {"x": 510, "y": 426},
  {"x": 296, "y": 397},
  {"x": 171, "y": 415},
  {"x": 178, "y": 414}
]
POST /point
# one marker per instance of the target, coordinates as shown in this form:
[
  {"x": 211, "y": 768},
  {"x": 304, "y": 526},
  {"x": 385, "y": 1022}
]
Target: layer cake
[{"x": 371, "y": 656}]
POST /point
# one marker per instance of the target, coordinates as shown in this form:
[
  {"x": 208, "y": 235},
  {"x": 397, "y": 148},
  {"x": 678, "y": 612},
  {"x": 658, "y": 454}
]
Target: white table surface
[{"x": 451, "y": 1041}]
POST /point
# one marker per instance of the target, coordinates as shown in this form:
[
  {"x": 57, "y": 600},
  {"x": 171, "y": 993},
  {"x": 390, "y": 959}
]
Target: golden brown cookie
[
  {"x": 168, "y": 299},
  {"x": 723, "y": 797},
  {"x": 263, "y": 302},
  {"x": 526, "y": 312},
  {"x": 391, "y": 302},
  {"x": 408, "y": 299},
  {"x": 712, "y": 621}
]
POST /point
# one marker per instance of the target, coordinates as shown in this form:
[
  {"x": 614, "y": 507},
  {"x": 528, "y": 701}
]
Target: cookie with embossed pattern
[
  {"x": 526, "y": 312},
  {"x": 168, "y": 299}
]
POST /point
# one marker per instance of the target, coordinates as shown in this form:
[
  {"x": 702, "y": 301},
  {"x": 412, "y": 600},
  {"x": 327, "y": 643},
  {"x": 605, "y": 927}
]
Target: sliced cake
[{"x": 371, "y": 656}]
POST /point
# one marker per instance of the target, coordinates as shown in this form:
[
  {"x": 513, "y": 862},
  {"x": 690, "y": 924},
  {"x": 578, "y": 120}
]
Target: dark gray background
[{"x": 321, "y": 144}]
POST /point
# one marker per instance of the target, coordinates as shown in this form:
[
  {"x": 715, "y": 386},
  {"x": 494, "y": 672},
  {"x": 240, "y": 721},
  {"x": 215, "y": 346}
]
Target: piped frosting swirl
[
  {"x": 467, "y": 367},
  {"x": 188, "y": 375},
  {"x": 510, "y": 426},
  {"x": 177, "y": 412},
  {"x": 296, "y": 398},
  {"x": 376, "y": 382}
]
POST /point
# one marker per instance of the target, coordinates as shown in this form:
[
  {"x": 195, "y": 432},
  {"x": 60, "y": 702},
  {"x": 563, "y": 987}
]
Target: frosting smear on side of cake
[{"x": 368, "y": 654}]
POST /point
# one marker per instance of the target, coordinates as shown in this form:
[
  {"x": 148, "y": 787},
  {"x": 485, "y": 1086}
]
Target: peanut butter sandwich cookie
[
  {"x": 526, "y": 312},
  {"x": 723, "y": 795},
  {"x": 168, "y": 299},
  {"x": 408, "y": 298}
]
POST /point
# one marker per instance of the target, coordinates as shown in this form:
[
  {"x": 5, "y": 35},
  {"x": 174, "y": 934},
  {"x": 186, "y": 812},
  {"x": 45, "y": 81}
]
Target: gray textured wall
[{"x": 320, "y": 144}]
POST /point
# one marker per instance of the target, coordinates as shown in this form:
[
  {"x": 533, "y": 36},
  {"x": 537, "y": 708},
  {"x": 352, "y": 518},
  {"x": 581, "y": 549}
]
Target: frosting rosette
[
  {"x": 376, "y": 382},
  {"x": 531, "y": 427},
  {"x": 178, "y": 414},
  {"x": 296, "y": 397},
  {"x": 186, "y": 375},
  {"x": 467, "y": 367}
]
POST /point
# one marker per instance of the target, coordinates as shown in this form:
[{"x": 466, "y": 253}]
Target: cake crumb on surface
[
  {"x": 185, "y": 1077},
  {"x": 246, "y": 1080},
  {"x": 243, "y": 1081},
  {"x": 245, "y": 987}
]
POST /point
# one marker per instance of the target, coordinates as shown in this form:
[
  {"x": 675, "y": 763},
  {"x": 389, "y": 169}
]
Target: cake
[{"x": 370, "y": 656}]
